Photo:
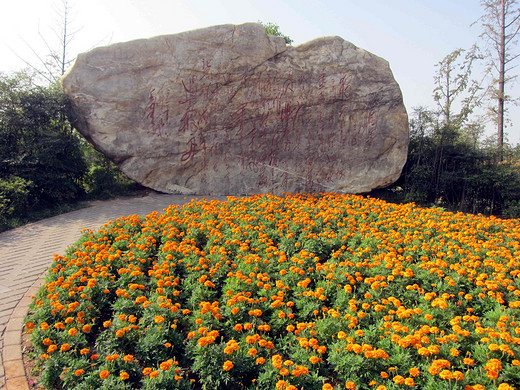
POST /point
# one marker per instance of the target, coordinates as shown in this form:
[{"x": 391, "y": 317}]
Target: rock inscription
[{"x": 230, "y": 110}]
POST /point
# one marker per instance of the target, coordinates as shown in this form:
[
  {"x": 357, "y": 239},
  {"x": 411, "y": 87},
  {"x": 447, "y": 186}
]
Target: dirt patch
[{"x": 30, "y": 363}]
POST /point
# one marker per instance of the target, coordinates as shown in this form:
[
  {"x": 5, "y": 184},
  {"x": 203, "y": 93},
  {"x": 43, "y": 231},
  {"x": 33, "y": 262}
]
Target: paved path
[{"x": 25, "y": 254}]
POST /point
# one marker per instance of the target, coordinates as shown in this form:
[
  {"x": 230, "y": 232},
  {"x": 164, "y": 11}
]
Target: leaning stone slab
[{"x": 230, "y": 110}]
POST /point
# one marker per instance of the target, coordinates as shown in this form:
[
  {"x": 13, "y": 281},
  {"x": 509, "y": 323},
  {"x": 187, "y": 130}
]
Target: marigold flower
[
  {"x": 65, "y": 347},
  {"x": 79, "y": 372},
  {"x": 281, "y": 384},
  {"x": 398, "y": 379},
  {"x": 123, "y": 375},
  {"x": 104, "y": 374},
  {"x": 315, "y": 359},
  {"x": 228, "y": 365}
]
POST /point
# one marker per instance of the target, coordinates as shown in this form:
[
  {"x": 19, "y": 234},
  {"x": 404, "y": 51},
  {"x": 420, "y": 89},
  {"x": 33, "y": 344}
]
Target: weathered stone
[{"x": 230, "y": 110}]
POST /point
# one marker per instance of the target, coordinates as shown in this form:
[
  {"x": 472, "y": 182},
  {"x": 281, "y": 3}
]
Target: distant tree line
[
  {"x": 450, "y": 167},
  {"x": 449, "y": 163}
]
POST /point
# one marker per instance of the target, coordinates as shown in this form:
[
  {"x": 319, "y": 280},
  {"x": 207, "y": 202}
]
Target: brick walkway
[{"x": 25, "y": 254}]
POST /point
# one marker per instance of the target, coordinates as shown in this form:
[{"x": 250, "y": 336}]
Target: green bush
[
  {"x": 14, "y": 199},
  {"x": 37, "y": 142}
]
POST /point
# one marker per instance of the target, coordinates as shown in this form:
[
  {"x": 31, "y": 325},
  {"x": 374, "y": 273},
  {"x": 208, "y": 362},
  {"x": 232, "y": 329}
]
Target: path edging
[{"x": 12, "y": 360}]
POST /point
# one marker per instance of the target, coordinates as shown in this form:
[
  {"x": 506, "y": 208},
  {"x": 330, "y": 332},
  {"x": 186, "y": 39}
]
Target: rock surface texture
[{"x": 230, "y": 110}]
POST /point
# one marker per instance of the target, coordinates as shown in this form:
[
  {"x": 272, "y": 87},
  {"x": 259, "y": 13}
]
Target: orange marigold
[{"x": 228, "y": 365}]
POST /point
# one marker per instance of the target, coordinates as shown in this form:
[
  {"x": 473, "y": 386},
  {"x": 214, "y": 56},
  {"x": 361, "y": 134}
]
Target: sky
[{"x": 412, "y": 35}]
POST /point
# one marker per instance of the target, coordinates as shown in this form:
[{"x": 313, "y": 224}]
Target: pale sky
[{"x": 412, "y": 35}]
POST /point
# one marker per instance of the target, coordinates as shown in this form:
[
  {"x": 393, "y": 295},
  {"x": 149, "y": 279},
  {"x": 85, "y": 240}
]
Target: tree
[
  {"x": 501, "y": 24},
  {"x": 274, "y": 29},
  {"x": 37, "y": 144},
  {"x": 51, "y": 66},
  {"x": 453, "y": 82},
  {"x": 454, "y": 87}
]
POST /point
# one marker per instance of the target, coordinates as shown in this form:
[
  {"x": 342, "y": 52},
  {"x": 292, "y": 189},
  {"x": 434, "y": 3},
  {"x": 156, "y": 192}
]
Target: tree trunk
[{"x": 501, "y": 83}]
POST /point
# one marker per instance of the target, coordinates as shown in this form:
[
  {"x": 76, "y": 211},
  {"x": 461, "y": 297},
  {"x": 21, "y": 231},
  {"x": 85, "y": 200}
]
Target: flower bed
[{"x": 293, "y": 292}]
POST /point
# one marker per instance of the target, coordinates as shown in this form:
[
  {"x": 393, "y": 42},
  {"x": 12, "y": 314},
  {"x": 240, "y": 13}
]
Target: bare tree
[
  {"x": 454, "y": 85},
  {"x": 501, "y": 24},
  {"x": 53, "y": 64}
]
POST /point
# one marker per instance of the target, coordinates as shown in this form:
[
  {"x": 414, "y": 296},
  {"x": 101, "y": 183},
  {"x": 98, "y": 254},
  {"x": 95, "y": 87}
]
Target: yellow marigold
[
  {"x": 505, "y": 386},
  {"x": 327, "y": 386},
  {"x": 446, "y": 374},
  {"x": 350, "y": 385},
  {"x": 123, "y": 375},
  {"x": 158, "y": 319},
  {"x": 228, "y": 365},
  {"x": 315, "y": 359},
  {"x": 398, "y": 379},
  {"x": 281, "y": 384}
]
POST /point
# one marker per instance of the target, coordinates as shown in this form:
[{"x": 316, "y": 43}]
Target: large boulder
[{"x": 231, "y": 110}]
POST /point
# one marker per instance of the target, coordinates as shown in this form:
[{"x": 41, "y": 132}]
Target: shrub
[
  {"x": 300, "y": 291},
  {"x": 14, "y": 199},
  {"x": 37, "y": 142}
]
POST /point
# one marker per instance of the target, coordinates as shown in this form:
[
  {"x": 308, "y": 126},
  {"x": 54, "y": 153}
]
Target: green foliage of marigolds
[{"x": 300, "y": 291}]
